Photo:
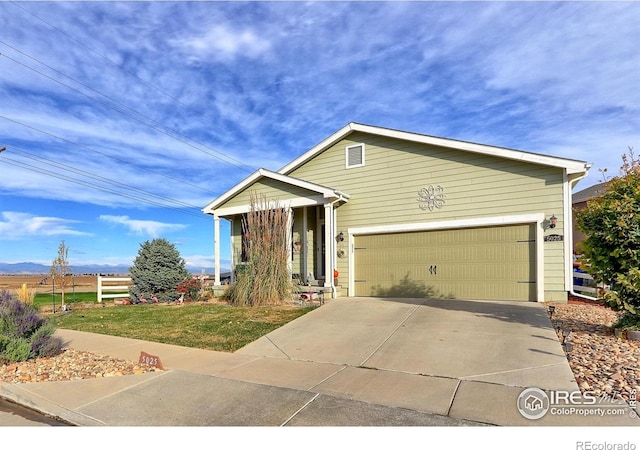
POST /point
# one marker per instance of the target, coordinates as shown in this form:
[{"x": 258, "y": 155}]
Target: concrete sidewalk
[{"x": 351, "y": 362}]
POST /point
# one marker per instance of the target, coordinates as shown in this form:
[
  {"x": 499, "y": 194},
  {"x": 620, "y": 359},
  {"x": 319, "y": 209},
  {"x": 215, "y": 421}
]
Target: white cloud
[
  {"x": 143, "y": 227},
  {"x": 221, "y": 42},
  {"x": 19, "y": 225}
]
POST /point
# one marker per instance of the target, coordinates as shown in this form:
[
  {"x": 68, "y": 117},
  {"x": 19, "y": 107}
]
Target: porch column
[
  {"x": 304, "y": 249},
  {"x": 289, "y": 241},
  {"x": 329, "y": 241},
  {"x": 216, "y": 249}
]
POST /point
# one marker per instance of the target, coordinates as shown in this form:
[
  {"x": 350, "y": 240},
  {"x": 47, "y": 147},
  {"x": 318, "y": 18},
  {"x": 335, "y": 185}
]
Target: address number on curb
[{"x": 151, "y": 360}]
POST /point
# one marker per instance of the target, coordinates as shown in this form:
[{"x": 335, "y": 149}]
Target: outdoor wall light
[
  {"x": 340, "y": 237},
  {"x": 553, "y": 220}
]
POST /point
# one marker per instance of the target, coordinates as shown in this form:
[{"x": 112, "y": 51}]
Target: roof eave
[{"x": 572, "y": 166}]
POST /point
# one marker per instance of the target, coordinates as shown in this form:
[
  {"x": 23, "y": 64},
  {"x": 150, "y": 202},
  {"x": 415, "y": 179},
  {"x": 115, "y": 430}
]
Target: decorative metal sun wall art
[{"x": 431, "y": 197}]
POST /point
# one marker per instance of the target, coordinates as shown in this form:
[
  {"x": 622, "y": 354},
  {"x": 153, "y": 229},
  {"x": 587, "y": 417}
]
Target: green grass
[
  {"x": 206, "y": 326},
  {"x": 47, "y": 300}
]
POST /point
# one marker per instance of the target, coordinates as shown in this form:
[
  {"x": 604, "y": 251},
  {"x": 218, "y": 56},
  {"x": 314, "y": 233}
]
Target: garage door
[{"x": 496, "y": 263}]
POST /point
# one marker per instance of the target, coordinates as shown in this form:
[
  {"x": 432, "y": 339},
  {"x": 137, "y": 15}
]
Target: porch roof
[{"x": 324, "y": 191}]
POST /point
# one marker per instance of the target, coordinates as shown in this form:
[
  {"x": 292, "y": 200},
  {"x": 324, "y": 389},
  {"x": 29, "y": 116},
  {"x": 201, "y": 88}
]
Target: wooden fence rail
[
  {"x": 584, "y": 283},
  {"x": 117, "y": 287}
]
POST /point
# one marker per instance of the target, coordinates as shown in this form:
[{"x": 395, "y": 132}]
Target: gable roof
[
  {"x": 571, "y": 165},
  {"x": 256, "y": 176},
  {"x": 586, "y": 194}
]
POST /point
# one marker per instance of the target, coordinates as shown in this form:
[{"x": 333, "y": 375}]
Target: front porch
[{"x": 312, "y": 238}]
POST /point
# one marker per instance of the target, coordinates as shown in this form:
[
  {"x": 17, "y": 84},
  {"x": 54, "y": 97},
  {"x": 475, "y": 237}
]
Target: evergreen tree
[{"x": 156, "y": 272}]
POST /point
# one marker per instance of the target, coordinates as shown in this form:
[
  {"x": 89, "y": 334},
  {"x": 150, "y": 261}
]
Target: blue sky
[{"x": 122, "y": 120}]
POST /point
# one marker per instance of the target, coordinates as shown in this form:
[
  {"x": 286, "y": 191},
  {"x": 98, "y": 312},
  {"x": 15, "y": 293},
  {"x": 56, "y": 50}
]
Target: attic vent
[{"x": 355, "y": 156}]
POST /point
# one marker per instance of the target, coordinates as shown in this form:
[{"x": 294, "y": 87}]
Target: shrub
[
  {"x": 612, "y": 247},
  {"x": 628, "y": 321},
  {"x": 157, "y": 271},
  {"x": 190, "y": 288},
  {"x": 24, "y": 333}
]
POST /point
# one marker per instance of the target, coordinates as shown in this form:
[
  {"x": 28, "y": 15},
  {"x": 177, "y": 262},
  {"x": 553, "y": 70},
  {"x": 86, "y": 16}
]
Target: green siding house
[{"x": 382, "y": 212}]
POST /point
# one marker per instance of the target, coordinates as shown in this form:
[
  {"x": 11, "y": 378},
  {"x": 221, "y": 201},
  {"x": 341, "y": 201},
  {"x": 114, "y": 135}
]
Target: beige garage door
[{"x": 496, "y": 263}]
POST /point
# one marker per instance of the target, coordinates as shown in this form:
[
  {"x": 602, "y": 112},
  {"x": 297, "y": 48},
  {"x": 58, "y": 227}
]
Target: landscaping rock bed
[
  {"x": 602, "y": 363},
  {"x": 70, "y": 365}
]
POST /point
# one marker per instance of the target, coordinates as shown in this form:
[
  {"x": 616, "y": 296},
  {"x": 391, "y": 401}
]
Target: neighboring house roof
[
  {"x": 586, "y": 194},
  {"x": 571, "y": 165},
  {"x": 326, "y": 192}
]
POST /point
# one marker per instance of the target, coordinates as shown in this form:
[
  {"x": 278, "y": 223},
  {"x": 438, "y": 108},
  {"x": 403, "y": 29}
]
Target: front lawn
[
  {"x": 70, "y": 298},
  {"x": 206, "y": 326}
]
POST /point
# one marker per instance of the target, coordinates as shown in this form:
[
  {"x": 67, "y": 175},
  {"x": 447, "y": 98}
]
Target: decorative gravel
[
  {"x": 70, "y": 365},
  {"x": 602, "y": 363}
]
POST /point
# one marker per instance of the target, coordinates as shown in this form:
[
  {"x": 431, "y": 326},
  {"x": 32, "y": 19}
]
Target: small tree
[
  {"x": 265, "y": 279},
  {"x": 157, "y": 271},
  {"x": 612, "y": 247},
  {"x": 60, "y": 269}
]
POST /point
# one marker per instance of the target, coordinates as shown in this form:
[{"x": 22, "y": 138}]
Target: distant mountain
[{"x": 29, "y": 268}]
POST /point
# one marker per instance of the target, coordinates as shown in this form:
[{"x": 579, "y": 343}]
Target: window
[{"x": 355, "y": 156}]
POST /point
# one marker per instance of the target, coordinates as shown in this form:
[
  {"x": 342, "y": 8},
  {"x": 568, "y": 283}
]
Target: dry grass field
[{"x": 42, "y": 283}]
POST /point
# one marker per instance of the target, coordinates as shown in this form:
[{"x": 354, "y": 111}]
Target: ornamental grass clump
[
  {"x": 24, "y": 332},
  {"x": 264, "y": 279},
  {"x": 26, "y": 294}
]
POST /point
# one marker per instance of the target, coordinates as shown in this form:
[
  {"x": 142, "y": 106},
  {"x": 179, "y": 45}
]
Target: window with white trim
[{"x": 354, "y": 156}]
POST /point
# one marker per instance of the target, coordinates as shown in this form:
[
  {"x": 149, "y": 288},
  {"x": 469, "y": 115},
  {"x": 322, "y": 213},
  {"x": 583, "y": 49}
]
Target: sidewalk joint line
[
  {"x": 470, "y": 377},
  {"x": 390, "y": 335},
  {"x": 276, "y": 346},
  {"x": 300, "y": 410},
  {"x": 160, "y": 374},
  {"x": 453, "y": 397},
  {"x": 327, "y": 378}
]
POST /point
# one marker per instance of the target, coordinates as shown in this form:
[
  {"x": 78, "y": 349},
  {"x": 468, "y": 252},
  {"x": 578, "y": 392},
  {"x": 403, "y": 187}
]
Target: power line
[
  {"x": 181, "y": 181},
  {"x": 31, "y": 167},
  {"x": 224, "y": 158},
  {"x": 28, "y": 155},
  {"x": 98, "y": 53}
]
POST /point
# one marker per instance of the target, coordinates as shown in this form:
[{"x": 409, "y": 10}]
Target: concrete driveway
[{"x": 458, "y": 358}]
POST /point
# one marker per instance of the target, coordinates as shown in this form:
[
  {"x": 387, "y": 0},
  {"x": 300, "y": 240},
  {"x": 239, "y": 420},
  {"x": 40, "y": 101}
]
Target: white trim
[
  {"x": 216, "y": 250},
  {"x": 460, "y": 223},
  {"x": 533, "y": 218},
  {"x": 326, "y": 192},
  {"x": 568, "y": 241},
  {"x": 290, "y": 241},
  {"x": 571, "y": 165},
  {"x": 233, "y": 254},
  {"x": 304, "y": 253},
  {"x": 290, "y": 203},
  {"x": 346, "y": 156}
]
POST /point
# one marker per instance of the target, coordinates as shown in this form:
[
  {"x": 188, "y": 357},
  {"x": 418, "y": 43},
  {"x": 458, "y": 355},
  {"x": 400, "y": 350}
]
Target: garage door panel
[{"x": 479, "y": 263}]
